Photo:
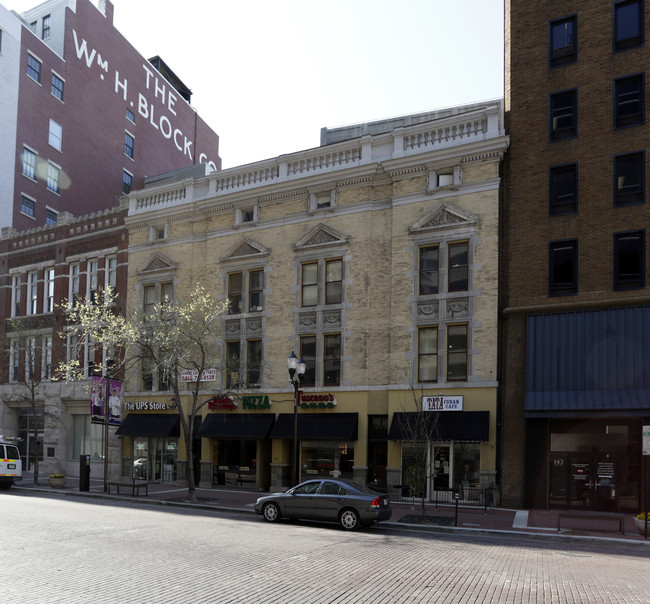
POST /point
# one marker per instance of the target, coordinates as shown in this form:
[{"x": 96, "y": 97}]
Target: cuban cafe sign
[{"x": 442, "y": 403}]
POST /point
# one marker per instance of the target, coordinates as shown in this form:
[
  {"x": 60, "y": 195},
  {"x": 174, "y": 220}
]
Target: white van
[{"x": 11, "y": 466}]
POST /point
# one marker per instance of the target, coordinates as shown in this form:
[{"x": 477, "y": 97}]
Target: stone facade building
[{"x": 374, "y": 257}]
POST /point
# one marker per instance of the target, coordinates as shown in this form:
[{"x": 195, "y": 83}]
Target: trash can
[{"x": 84, "y": 473}]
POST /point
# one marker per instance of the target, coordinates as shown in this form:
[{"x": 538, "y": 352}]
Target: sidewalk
[{"x": 542, "y": 523}]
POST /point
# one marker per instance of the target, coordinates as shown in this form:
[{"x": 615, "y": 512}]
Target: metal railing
[{"x": 466, "y": 497}]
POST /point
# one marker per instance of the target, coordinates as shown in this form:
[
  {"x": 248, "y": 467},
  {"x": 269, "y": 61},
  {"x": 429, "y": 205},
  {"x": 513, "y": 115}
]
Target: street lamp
[{"x": 296, "y": 371}]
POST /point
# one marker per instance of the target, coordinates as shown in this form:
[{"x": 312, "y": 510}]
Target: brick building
[
  {"x": 39, "y": 269},
  {"x": 576, "y": 304},
  {"x": 84, "y": 116},
  {"x": 374, "y": 258}
]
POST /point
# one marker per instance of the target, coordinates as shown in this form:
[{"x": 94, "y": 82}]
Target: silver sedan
[{"x": 343, "y": 501}]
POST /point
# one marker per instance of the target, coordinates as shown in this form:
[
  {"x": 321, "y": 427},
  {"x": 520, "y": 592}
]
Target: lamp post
[{"x": 296, "y": 371}]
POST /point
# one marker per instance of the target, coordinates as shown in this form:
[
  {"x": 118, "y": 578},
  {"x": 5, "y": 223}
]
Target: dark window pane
[
  {"x": 456, "y": 352},
  {"x": 563, "y": 265},
  {"x": 234, "y": 293},
  {"x": 628, "y": 101},
  {"x": 429, "y": 259},
  {"x": 308, "y": 355},
  {"x": 563, "y": 191},
  {"x": 254, "y": 363},
  {"x": 232, "y": 364},
  {"x": 629, "y": 178},
  {"x": 255, "y": 291},
  {"x": 628, "y": 24},
  {"x": 563, "y": 115},
  {"x": 458, "y": 267},
  {"x": 332, "y": 364},
  {"x": 629, "y": 261},
  {"x": 563, "y": 41}
]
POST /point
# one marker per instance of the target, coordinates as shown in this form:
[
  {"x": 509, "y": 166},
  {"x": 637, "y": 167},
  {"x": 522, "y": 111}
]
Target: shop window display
[{"x": 322, "y": 458}]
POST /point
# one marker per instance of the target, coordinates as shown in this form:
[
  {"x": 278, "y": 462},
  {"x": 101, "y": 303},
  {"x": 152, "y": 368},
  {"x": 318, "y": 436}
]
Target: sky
[{"x": 266, "y": 75}]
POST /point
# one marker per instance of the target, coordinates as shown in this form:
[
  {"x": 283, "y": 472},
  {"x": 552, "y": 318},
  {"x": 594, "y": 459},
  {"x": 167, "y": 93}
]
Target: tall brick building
[
  {"x": 84, "y": 116},
  {"x": 575, "y": 303}
]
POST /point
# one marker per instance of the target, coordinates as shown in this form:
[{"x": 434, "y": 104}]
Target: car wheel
[
  {"x": 271, "y": 512},
  {"x": 349, "y": 520}
]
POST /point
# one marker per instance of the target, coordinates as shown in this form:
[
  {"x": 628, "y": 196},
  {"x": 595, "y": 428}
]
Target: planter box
[
  {"x": 640, "y": 525},
  {"x": 56, "y": 483}
]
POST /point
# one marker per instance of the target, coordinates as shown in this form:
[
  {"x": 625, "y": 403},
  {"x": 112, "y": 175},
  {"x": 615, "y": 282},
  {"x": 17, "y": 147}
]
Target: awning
[
  {"x": 317, "y": 426},
  {"x": 237, "y": 425},
  {"x": 443, "y": 426},
  {"x": 150, "y": 424}
]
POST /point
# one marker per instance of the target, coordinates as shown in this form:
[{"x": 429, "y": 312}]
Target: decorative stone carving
[
  {"x": 307, "y": 319},
  {"x": 458, "y": 307},
  {"x": 253, "y": 325},
  {"x": 428, "y": 309},
  {"x": 232, "y": 328},
  {"x": 332, "y": 318}
]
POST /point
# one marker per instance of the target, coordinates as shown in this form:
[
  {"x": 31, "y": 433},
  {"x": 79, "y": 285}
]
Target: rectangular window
[
  {"x": 50, "y": 216},
  {"x": 45, "y": 31},
  {"x": 27, "y": 206},
  {"x": 111, "y": 272},
  {"x": 55, "y": 135},
  {"x": 253, "y": 363},
  {"x": 333, "y": 281},
  {"x": 563, "y": 189},
  {"x": 628, "y": 24},
  {"x": 32, "y": 293},
  {"x": 48, "y": 302},
  {"x": 88, "y": 438},
  {"x": 233, "y": 359},
  {"x": 256, "y": 290},
  {"x": 127, "y": 182},
  {"x": 332, "y": 360},
  {"x": 563, "y": 268},
  {"x": 458, "y": 267},
  {"x": 129, "y": 144},
  {"x": 14, "y": 354},
  {"x": 17, "y": 295},
  {"x": 234, "y": 293},
  {"x": 629, "y": 104},
  {"x": 308, "y": 355},
  {"x": 563, "y": 114},
  {"x": 309, "y": 284},
  {"x": 34, "y": 68},
  {"x": 629, "y": 260},
  {"x": 75, "y": 283},
  {"x": 629, "y": 178},
  {"x": 46, "y": 358},
  {"x": 130, "y": 115},
  {"x": 563, "y": 47},
  {"x": 429, "y": 270},
  {"x": 456, "y": 353},
  {"x": 53, "y": 175},
  {"x": 428, "y": 354},
  {"x": 147, "y": 374},
  {"x": 57, "y": 87},
  {"x": 155, "y": 293},
  {"x": 29, "y": 163},
  {"x": 92, "y": 281}
]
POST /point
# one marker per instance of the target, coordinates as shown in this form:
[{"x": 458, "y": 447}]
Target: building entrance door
[{"x": 583, "y": 481}]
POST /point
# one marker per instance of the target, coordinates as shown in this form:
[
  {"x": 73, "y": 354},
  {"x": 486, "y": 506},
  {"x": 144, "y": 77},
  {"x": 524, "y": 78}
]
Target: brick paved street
[{"x": 81, "y": 550}]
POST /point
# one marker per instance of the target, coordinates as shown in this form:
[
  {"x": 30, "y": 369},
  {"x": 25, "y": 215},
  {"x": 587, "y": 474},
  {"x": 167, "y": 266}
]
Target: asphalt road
[{"x": 75, "y": 550}]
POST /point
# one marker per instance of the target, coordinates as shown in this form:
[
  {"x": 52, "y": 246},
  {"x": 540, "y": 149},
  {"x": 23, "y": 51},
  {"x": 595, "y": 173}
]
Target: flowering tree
[{"x": 170, "y": 338}]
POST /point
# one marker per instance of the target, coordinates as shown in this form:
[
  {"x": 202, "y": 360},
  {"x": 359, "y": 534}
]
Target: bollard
[{"x": 456, "y": 497}]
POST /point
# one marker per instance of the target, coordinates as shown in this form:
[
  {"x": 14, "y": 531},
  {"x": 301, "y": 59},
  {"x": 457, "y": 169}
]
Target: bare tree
[{"x": 419, "y": 428}]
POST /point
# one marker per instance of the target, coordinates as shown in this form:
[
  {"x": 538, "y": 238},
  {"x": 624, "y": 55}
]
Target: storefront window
[
  {"x": 414, "y": 466},
  {"x": 467, "y": 465},
  {"x": 88, "y": 438},
  {"x": 155, "y": 458},
  {"x": 324, "y": 458},
  {"x": 238, "y": 456}
]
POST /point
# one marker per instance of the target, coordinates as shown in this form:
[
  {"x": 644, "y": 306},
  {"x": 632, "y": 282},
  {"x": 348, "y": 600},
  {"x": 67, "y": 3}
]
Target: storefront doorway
[
  {"x": 591, "y": 466},
  {"x": 154, "y": 458}
]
